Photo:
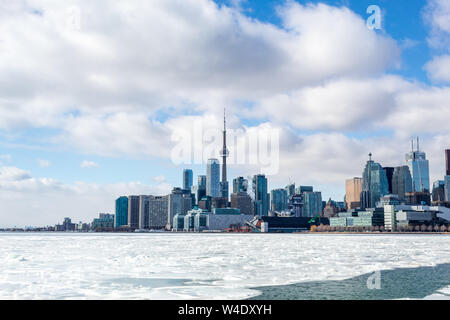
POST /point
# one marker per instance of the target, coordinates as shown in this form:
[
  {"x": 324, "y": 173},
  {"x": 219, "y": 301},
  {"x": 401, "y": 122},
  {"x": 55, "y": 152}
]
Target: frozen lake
[{"x": 212, "y": 266}]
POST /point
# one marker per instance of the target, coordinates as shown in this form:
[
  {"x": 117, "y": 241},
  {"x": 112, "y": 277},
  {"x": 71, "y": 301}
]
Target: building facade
[
  {"x": 158, "y": 212},
  {"x": 312, "y": 204},
  {"x": 375, "y": 184},
  {"x": 420, "y": 172},
  {"x": 179, "y": 202},
  {"x": 213, "y": 178},
  {"x": 188, "y": 176},
  {"x": 401, "y": 182},
  {"x": 278, "y": 200},
  {"x": 121, "y": 216},
  {"x": 240, "y": 185},
  {"x": 243, "y": 202},
  {"x": 133, "y": 212},
  {"x": 353, "y": 188},
  {"x": 262, "y": 198}
]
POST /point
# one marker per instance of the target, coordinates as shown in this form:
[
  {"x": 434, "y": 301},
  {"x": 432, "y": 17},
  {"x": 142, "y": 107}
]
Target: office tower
[
  {"x": 262, "y": 198},
  {"x": 389, "y": 174},
  {"x": 438, "y": 194},
  {"x": 213, "y": 178},
  {"x": 312, "y": 204},
  {"x": 121, "y": 216},
  {"x": 240, "y": 185},
  {"x": 278, "y": 200},
  {"x": 159, "y": 210},
  {"x": 375, "y": 184},
  {"x": 242, "y": 201},
  {"x": 419, "y": 168},
  {"x": 133, "y": 212},
  {"x": 144, "y": 212},
  {"x": 187, "y": 179},
  {"x": 353, "y": 188},
  {"x": 447, "y": 162},
  {"x": 401, "y": 182},
  {"x": 224, "y": 183},
  {"x": 180, "y": 202},
  {"x": 290, "y": 189}
]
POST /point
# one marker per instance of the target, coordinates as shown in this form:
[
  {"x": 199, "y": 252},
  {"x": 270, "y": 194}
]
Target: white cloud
[
  {"x": 439, "y": 69},
  {"x": 43, "y": 201},
  {"x": 437, "y": 15},
  {"x": 89, "y": 164}
]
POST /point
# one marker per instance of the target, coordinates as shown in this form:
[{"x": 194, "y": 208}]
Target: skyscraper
[
  {"x": 375, "y": 184},
  {"x": 180, "y": 202},
  {"x": 278, "y": 200},
  {"x": 401, "y": 182},
  {"x": 290, "y": 189},
  {"x": 447, "y": 162},
  {"x": 144, "y": 212},
  {"x": 312, "y": 204},
  {"x": 419, "y": 168},
  {"x": 389, "y": 173},
  {"x": 133, "y": 212},
  {"x": 121, "y": 216},
  {"x": 262, "y": 198},
  {"x": 353, "y": 188},
  {"x": 187, "y": 179},
  {"x": 240, "y": 185},
  {"x": 159, "y": 210},
  {"x": 213, "y": 178},
  {"x": 200, "y": 189},
  {"x": 438, "y": 194},
  {"x": 224, "y": 183}
]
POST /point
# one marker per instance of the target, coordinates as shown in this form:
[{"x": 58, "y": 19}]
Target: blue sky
[{"x": 108, "y": 88}]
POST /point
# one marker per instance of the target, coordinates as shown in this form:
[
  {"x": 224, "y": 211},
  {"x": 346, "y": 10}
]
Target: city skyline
[{"x": 96, "y": 135}]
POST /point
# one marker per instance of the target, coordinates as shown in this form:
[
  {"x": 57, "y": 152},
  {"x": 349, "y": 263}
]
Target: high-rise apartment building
[
  {"x": 121, "y": 216},
  {"x": 158, "y": 212},
  {"x": 133, "y": 212},
  {"x": 312, "y": 204},
  {"x": 278, "y": 200},
  {"x": 213, "y": 178},
  {"x": 144, "y": 212},
  {"x": 180, "y": 202},
  {"x": 262, "y": 198},
  {"x": 353, "y": 188}
]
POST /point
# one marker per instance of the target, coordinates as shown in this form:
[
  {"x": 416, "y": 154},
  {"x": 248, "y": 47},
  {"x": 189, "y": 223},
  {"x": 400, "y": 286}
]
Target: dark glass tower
[{"x": 447, "y": 161}]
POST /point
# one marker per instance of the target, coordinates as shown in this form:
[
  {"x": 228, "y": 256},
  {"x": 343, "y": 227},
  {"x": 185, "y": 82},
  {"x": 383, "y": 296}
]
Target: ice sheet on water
[{"x": 196, "y": 266}]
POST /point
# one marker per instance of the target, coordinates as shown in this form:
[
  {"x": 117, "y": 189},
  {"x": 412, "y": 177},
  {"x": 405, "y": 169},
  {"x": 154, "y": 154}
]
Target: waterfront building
[
  {"x": 179, "y": 202},
  {"x": 419, "y": 168},
  {"x": 353, "y": 188},
  {"x": 262, "y": 198},
  {"x": 144, "y": 212},
  {"x": 104, "y": 222},
  {"x": 243, "y": 202},
  {"x": 240, "y": 184},
  {"x": 187, "y": 179},
  {"x": 312, "y": 204},
  {"x": 158, "y": 212},
  {"x": 133, "y": 212},
  {"x": 121, "y": 216},
  {"x": 278, "y": 200},
  {"x": 375, "y": 184},
  {"x": 213, "y": 178},
  {"x": 418, "y": 198},
  {"x": 178, "y": 222},
  {"x": 401, "y": 182}
]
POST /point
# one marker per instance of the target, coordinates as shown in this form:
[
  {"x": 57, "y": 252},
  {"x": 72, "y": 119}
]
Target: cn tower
[{"x": 224, "y": 154}]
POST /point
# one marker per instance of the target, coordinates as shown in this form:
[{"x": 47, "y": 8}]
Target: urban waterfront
[{"x": 222, "y": 266}]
